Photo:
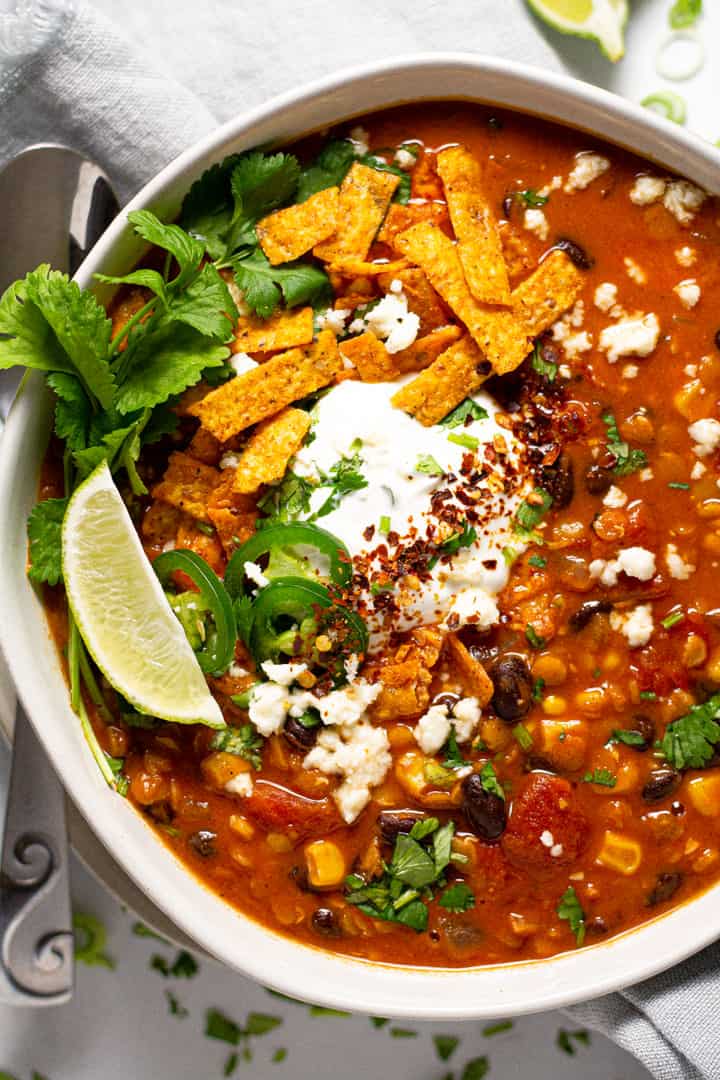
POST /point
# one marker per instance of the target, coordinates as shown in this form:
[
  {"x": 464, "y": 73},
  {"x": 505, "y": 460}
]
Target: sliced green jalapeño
[
  {"x": 279, "y": 543},
  {"x": 219, "y": 647}
]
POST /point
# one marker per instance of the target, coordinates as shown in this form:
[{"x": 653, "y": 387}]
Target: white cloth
[{"x": 135, "y": 88}]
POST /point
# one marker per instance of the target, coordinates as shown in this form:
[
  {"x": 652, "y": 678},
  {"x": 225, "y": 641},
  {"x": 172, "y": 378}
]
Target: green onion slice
[{"x": 667, "y": 104}]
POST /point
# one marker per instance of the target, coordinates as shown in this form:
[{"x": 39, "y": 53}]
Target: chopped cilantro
[
  {"x": 570, "y": 910},
  {"x": 242, "y": 741},
  {"x": 490, "y": 782},
  {"x": 538, "y": 561},
  {"x": 626, "y": 460},
  {"x": 628, "y": 738},
  {"x": 476, "y": 1069},
  {"x": 538, "y": 689},
  {"x": 523, "y": 737},
  {"x": 379, "y": 1021},
  {"x": 174, "y": 1006},
  {"x": 510, "y": 555},
  {"x": 280, "y": 1054},
  {"x": 453, "y": 758},
  {"x": 344, "y": 476},
  {"x": 534, "y": 639},
  {"x": 402, "y": 1033},
  {"x": 531, "y": 511},
  {"x": 219, "y": 1026},
  {"x": 141, "y": 930},
  {"x": 458, "y": 540},
  {"x": 90, "y": 941},
  {"x": 427, "y": 464},
  {"x": 603, "y": 777},
  {"x": 424, "y": 827},
  {"x": 547, "y": 368},
  {"x": 679, "y": 485},
  {"x": 457, "y": 898},
  {"x": 323, "y": 1010},
  {"x": 384, "y": 525},
  {"x": 684, "y": 13},
  {"x": 445, "y": 1046},
  {"x": 498, "y": 1028},
  {"x": 231, "y": 1064},
  {"x": 287, "y": 500},
  {"x": 468, "y": 441},
  {"x": 530, "y": 197},
  {"x": 263, "y": 285},
  {"x": 261, "y": 1023},
  {"x": 691, "y": 740},
  {"x": 565, "y": 1040},
  {"x": 672, "y": 619},
  {"x": 648, "y": 695},
  {"x": 467, "y": 410}
]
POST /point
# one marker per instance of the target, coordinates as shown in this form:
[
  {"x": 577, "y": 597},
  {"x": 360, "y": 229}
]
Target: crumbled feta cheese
[
  {"x": 688, "y": 291},
  {"x": 706, "y": 436},
  {"x": 240, "y": 363},
  {"x": 238, "y": 297},
  {"x": 268, "y": 707},
  {"x": 576, "y": 344},
  {"x": 229, "y": 460},
  {"x": 606, "y": 295},
  {"x": 691, "y": 370},
  {"x": 645, "y": 475},
  {"x": 553, "y": 185},
  {"x": 396, "y": 285},
  {"x": 698, "y": 470},
  {"x": 614, "y": 498},
  {"x": 536, "y": 222},
  {"x": 683, "y": 200},
  {"x": 391, "y": 321},
  {"x": 282, "y": 674},
  {"x": 686, "y": 256},
  {"x": 237, "y": 670},
  {"x": 432, "y": 729},
  {"x": 255, "y": 574},
  {"x": 587, "y": 168},
  {"x": 630, "y": 371},
  {"x": 647, "y": 190},
  {"x": 676, "y": 564},
  {"x": 605, "y": 571},
  {"x": 351, "y": 665},
  {"x": 242, "y": 784},
  {"x": 466, "y": 717},
  {"x": 564, "y": 371},
  {"x": 333, "y": 319},
  {"x": 637, "y": 562},
  {"x": 475, "y": 608},
  {"x": 634, "y": 271},
  {"x": 576, "y": 315},
  {"x": 404, "y": 158},
  {"x": 637, "y": 626},
  {"x": 360, "y": 755},
  {"x": 547, "y": 839},
  {"x": 630, "y": 337},
  {"x": 556, "y": 851},
  {"x": 360, "y": 137},
  {"x": 345, "y": 707}
]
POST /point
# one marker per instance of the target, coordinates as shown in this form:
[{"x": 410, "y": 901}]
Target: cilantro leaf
[
  {"x": 531, "y": 512},
  {"x": 445, "y": 1046},
  {"x": 73, "y": 411},
  {"x": 626, "y": 460},
  {"x": 328, "y": 169},
  {"x": 476, "y": 1069},
  {"x": 490, "y": 782},
  {"x": 458, "y": 540},
  {"x": 570, "y": 910},
  {"x": 206, "y": 305},
  {"x": 287, "y": 500},
  {"x": 166, "y": 362},
  {"x": 261, "y": 1023},
  {"x": 414, "y": 915},
  {"x": 691, "y": 740},
  {"x": 427, "y": 464},
  {"x": 242, "y": 741},
  {"x": 44, "y": 533},
  {"x": 411, "y": 864},
  {"x": 628, "y": 737},
  {"x": 547, "y": 368},
  {"x": 185, "y": 249},
  {"x": 530, "y": 197},
  {"x": 466, "y": 410},
  {"x": 603, "y": 777},
  {"x": 453, "y": 758},
  {"x": 108, "y": 449},
  {"x": 26, "y": 338},
  {"x": 208, "y": 206},
  {"x": 684, "y": 13},
  {"x": 147, "y": 279},
  {"x": 425, "y": 827},
  {"x": 219, "y": 1026},
  {"x": 442, "y": 846},
  {"x": 459, "y": 897},
  {"x": 564, "y": 1039},
  {"x": 259, "y": 183},
  {"x": 263, "y": 285},
  {"x": 343, "y": 477}
]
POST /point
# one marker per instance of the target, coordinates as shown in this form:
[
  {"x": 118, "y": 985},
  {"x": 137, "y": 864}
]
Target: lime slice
[
  {"x": 602, "y": 20},
  {"x": 122, "y": 612}
]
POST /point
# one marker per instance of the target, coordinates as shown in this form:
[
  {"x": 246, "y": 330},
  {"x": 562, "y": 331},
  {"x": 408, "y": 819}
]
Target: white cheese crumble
[
  {"x": 466, "y": 714},
  {"x": 698, "y": 470},
  {"x": 634, "y": 271},
  {"x": 352, "y": 666},
  {"x": 282, "y": 674},
  {"x": 588, "y": 167},
  {"x": 169, "y": 545},
  {"x": 688, "y": 292},
  {"x": 685, "y": 256},
  {"x": 473, "y": 607},
  {"x": 237, "y": 670},
  {"x": 647, "y": 190},
  {"x": 240, "y": 363},
  {"x": 614, "y": 498},
  {"x": 242, "y": 784},
  {"x": 606, "y": 295},
  {"x": 360, "y": 755},
  {"x": 432, "y": 729},
  {"x": 683, "y": 200},
  {"x": 361, "y": 139},
  {"x": 677, "y": 566},
  {"x": 646, "y": 475},
  {"x": 630, "y": 337},
  {"x": 706, "y": 436},
  {"x": 255, "y": 574},
  {"x": 691, "y": 370},
  {"x": 536, "y": 222},
  {"x": 391, "y": 321},
  {"x": 547, "y": 839},
  {"x": 268, "y": 707},
  {"x": 333, "y": 319},
  {"x": 637, "y": 625},
  {"x": 630, "y": 371},
  {"x": 404, "y": 158},
  {"x": 636, "y": 562},
  {"x": 344, "y": 707}
]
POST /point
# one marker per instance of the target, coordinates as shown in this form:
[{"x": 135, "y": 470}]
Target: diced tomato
[
  {"x": 275, "y": 809},
  {"x": 545, "y": 819}
]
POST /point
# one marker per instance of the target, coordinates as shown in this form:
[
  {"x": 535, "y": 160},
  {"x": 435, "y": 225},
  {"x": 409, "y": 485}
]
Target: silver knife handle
[{"x": 35, "y": 915}]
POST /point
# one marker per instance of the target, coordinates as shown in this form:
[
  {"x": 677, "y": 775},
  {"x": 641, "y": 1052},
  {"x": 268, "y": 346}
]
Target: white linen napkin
[{"x": 134, "y": 90}]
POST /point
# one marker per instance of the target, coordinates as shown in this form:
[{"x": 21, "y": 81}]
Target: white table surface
[{"x": 118, "y": 1026}]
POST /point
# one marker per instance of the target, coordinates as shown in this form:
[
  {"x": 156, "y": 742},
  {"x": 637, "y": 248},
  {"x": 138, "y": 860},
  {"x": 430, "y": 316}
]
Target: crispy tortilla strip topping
[
  {"x": 369, "y": 355},
  {"x": 269, "y": 449},
  {"x": 436, "y": 391},
  {"x": 500, "y": 335},
  {"x": 283, "y": 330},
  {"x": 475, "y": 227},
  {"x": 205, "y": 447},
  {"x": 365, "y": 195},
  {"x": 477, "y": 681},
  {"x": 360, "y": 268},
  {"x": 401, "y": 217},
  {"x": 192, "y": 538},
  {"x": 232, "y": 514},
  {"x": 187, "y": 484},
  {"x": 288, "y": 234},
  {"x": 255, "y": 395},
  {"x": 543, "y": 297},
  {"x": 421, "y": 297},
  {"x": 406, "y": 678},
  {"x": 425, "y": 350}
]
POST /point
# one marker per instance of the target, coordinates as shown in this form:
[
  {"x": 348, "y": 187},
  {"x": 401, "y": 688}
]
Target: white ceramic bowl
[{"x": 295, "y": 969}]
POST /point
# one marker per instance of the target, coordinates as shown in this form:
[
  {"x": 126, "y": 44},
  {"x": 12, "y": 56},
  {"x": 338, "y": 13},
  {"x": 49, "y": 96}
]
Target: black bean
[
  {"x": 513, "y": 687},
  {"x": 665, "y": 887},
  {"x": 645, "y": 727},
  {"x": 598, "y": 480},
  {"x": 203, "y": 842},
  {"x": 484, "y": 810},
  {"x": 324, "y": 921},
  {"x": 597, "y": 925},
  {"x": 587, "y": 612},
  {"x": 507, "y": 205},
  {"x": 299, "y": 736},
  {"x": 574, "y": 252},
  {"x": 559, "y": 481},
  {"x": 393, "y": 822},
  {"x": 717, "y": 338},
  {"x": 661, "y": 783}
]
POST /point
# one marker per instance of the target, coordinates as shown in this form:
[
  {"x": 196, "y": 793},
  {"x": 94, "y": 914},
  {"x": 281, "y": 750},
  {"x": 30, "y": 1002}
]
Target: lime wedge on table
[
  {"x": 122, "y": 612},
  {"x": 602, "y": 20}
]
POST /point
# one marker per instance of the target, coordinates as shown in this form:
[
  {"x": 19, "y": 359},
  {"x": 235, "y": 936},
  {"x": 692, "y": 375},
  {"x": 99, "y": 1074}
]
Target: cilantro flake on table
[
  {"x": 279, "y": 1055},
  {"x": 219, "y": 1026},
  {"x": 691, "y": 741},
  {"x": 476, "y": 1069},
  {"x": 174, "y": 1006},
  {"x": 445, "y": 1046},
  {"x": 90, "y": 941},
  {"x": 566, "y": 1040},
  {"x": 324, "y": 1010},
  {"x": 402, "y": 1033},
  {"x": 627, "y": 460},
  {"x": 570, "y": 910},
  {"x": 497, "y": 1029}
]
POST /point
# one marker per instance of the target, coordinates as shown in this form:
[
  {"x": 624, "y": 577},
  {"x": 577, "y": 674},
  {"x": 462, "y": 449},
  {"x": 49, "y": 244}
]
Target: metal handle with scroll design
[{"x": 35, "y": 916}]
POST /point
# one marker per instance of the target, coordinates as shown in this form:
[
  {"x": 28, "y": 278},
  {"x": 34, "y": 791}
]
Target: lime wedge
[
  {"x": 122, "y": 613},
  {"x": 602, "y": 20}
]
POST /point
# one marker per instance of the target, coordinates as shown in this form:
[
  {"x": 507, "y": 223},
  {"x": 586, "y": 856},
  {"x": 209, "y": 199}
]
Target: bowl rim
[{"x": 300, "y": 970}]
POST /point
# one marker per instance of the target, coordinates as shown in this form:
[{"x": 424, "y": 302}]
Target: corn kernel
[
  {"x": 241, "y": 857},
  {"x": 591, "y": 701},
  {"x": 325, "y": 864},
  {"x": 694, "y": 651},
  {"x": 306, "y": 679},
  {"x": 612, "y": 660},
  {"x": 219, "y": 768},
  {"x": 704, "y": 793},
  {"x": 279, "y": 843},
  {"x": 554, "y": 705},
  {"x": 323, "y": 643},
  {"x": 241, "y": 826},
  {"x": 620, "y": 853},
  {"x": 705, "y": 861}
]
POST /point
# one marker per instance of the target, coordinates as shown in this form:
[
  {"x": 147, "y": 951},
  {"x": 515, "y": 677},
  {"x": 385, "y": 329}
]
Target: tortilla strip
[
  {"x": 269, "y": 449},
  {"x": 287, "y": 234},
  {"x": 360, "y": 268},
  {"x": 369, "y": 355},
  {"x": 497, "y": 331},
  {"x": 187, "y": 484},
  {"x": 456, "y": 373},
  {"x": 401, "y": 217},
  {"x": 477, "y": 681},
  {"x": 205, "y": 447},
  {"x": 541, "y": 299},
  {"x": 283, "y": 330},
  {"x": 255, "y": 395},
  {"x": 421, "y": 297},
  {"x": 475, "y": 227},
  {"x": 425, "y": 350},
  {"x": 365, "y": 195},
  {"x": 233, "y": 515}
]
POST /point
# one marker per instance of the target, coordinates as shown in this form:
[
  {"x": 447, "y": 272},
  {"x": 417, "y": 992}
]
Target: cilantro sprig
[
  {"x": 691, "y": 741},
  {"x": 570, "y": 910},
  {"x": 627, "y": 460}
]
